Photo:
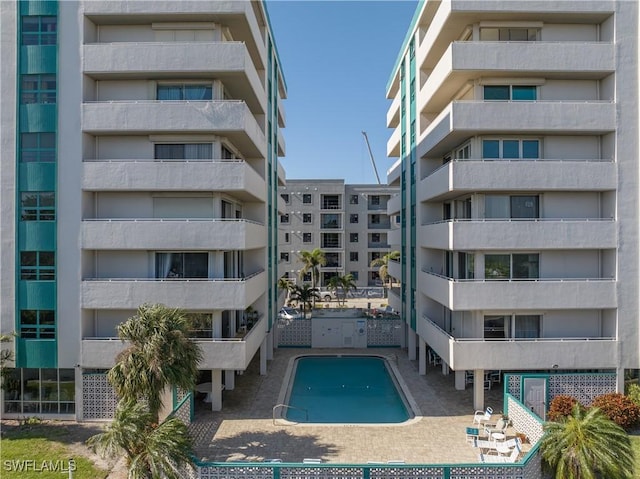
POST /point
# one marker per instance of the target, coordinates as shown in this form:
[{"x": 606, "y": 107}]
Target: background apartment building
[
  {"x": 516, "y": 128},
  {"x": 348, "y": 222},
  {"x": 139, "y": 164}
]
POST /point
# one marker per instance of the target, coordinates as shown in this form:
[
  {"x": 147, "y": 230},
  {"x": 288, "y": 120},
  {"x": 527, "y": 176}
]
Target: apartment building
[
  {"x": 349, "y": 222},
  {"x": 515, "y": 125},
  {"x": 139, "y": 164}
]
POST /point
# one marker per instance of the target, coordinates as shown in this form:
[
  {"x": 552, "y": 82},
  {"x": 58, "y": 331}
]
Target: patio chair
[
  {"x": 511, "y": 458},
  {"x": 473, "y": 434},
  {"x": 499, "y": 427},
  {"x": 481, "y": 417},
  {"x": 311, "y": 461}
]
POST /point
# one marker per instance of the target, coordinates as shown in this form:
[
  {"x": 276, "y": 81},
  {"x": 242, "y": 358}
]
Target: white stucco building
[
  {"x": 516, "y": 128},
  {"x": 138, "y": 164}
]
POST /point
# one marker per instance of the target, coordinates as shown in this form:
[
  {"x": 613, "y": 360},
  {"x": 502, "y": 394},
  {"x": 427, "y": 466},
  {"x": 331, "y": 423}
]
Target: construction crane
[{"x": 373, "y": 162}]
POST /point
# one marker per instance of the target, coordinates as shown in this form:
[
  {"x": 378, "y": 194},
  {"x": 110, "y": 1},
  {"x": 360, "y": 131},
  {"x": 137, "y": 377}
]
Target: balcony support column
[
  {"x": 620, "y": 380},
  {"x": 216, "y": 389},
  {"x": 269, "y": 339},
  {"x": 229, "y": 379},
  {"x": 263, "y": 357},
  {"x": 460, "y": 380},
  {"x": 217, "y": 324},
  {"x": 422, "y": 356},
  {"x": 478, "y": 389},
  {"x": 411, "y": 344}
]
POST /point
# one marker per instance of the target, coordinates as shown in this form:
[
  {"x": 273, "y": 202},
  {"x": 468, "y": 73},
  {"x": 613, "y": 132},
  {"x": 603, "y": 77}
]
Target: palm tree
[
  {"x": 587, "y": 445},
  {"x": 287, "y": 285},
  {"x": 342, "y": 285},
  {"x": 306, "y": 295},
  {"x": 151, "y": 450},
  {"x": 159, "y": 354},
  {"x": 383, "y": 264},
  {"x": 312, "y": 261}
]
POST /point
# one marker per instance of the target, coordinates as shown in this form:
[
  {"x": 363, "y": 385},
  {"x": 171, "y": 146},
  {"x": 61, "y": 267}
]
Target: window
[
  {"x": 38, "y": 89},
  {"x": 353, "y": 199},
  {"x": 512, "y": 326},
  {"x": 226, "y": 153},
  {"x": 306, "y": 198},
  {"x": 185, "y": 92},
  {"x": 183, "y": 151},
  {"x": 37, "y": 147},
  {"x": 284, "y": 257},
  {"x": 374, "y": 256},
  {"x": 510, "y": 149},
  {"x": 354, "y": 274},
  {"x": 182, "y": 265},
  {"x": 330, "y": 202},
  {"x": 375, "y": 200},
  {"x": 510, "y": 92},
  {"x": 330, "y": 240},
  {"x": 306, "y": 237},
  {"x": 39, "y": 30},
  {"x": 306, "y": 217},
  {"x": 37, "y": 265},
  {"x": 37, "y": 324},
  {"x": 353, "y": 237},
  {"x": 38, "y": 206},
  {"x": 527, "y": 326},
  {"x": 286, "y": 237},
  {"x": 330, "y": 221},
  {"x": 504, "y": 206},
  {"x": 375, "y": 237},
  {"x": 306, "y": 277},
  {"x": 284, "y": 219},
  {"x": 353, "y": 256},
  {"x": 494, "y": 327},
  {"x": 285, "y": 197},
  {"x": 46, "y": 390},
  {"x": 333, "y": 260},
  {"x": 353, "y": 218},
  {"x": 511, "y": 266},
  {"x": 375, "y": 219},
  {"x": 509, "y": 34}
]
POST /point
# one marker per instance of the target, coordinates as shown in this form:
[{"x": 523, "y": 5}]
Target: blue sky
[{"x": 337, "y": 57}]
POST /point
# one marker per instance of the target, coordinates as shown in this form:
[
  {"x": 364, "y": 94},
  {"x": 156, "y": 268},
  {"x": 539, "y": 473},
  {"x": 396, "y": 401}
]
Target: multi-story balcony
[
  {"x": 394, "y": 237},
  {"x": 465, "y": 61},
  {"x": 231, "y": 118},
  {"x": 377, "y": 245},
  {"x": 394, "y": 299},
  {"x": 394, "y": 268},
  {"x": 461, "y": 119},
  {"x": 393, "y": 145},
  {"x": 519, "y": 234},
  {"x": 460, "y": 176},
  {"x": 168, "y": 234},
  {"x": 192, "y": 294},
  {"x": 218, "y": 353},
  {"x": 393, "y": 114},
  {"x": 521, "y": 294},
  {"x": 281, "y": 175},
  {"x": 226, "y": 61},
  {"x": 393, "y": 205},
  {"x": 394, "y": 173},
  {"x": 383, "y": 224},
  {"x": 233, "y": 176},
  {"x": 520, "y": 353}
]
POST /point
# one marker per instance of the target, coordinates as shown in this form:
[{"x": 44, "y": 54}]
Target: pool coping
[{"x": 390, "y": 361}]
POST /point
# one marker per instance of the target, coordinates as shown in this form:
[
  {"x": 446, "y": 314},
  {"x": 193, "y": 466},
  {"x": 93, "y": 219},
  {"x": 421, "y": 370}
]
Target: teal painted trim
[
  {"x": 37, "y": 235},
  {"x": 405, "y": 43},
  {"x": 38, "y": 117},
  {"x": 36, "y": 353},
  {"x": 38, "y": 7},
  {"x": 36, "y": 295},
  {"x": 275, "y": 47},
  {"x": 37, "y": 177},
  {"x": 38, "y": 59}
]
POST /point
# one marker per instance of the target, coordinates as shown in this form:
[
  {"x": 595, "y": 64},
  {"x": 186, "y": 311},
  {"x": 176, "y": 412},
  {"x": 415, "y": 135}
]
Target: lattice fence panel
[
  {"x": 294, "y": 332},
  {"x": 235, "y": 472},
  {"x": 584, "y": 387},
  {"x": 383, "y": 332},
  {"x": 524, "y": 421},
  {"x": 98, "y": 397},
  {"x": 311, "y": 472},
  {"x": 184, "y": 411},
  {"x": 533, "y": 469},
  {"x": 482, "y": 471},
  {"x": 513, "y": 386},
  {"x": 418, "y": 472}
]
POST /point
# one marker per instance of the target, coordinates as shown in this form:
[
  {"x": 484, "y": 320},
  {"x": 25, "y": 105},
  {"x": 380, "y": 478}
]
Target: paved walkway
[{"x": 244, "y": 430}]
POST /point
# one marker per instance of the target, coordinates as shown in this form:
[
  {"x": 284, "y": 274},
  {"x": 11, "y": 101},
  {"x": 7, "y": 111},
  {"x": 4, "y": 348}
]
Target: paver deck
[{"x": 245, "y": 430}]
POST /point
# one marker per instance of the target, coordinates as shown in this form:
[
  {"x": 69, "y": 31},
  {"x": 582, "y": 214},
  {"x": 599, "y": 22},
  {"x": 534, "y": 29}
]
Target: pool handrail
[{"x": 306, "y": 413}]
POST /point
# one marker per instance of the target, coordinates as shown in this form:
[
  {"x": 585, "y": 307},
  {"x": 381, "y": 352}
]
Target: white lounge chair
[
  {"x": 498, "y": 427},
  {"x": 311, "y": 461},
  {"x": 481, "y": 417},
  {"x": 512, "y": 457}
]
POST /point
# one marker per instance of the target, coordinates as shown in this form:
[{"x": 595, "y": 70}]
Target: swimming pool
[{"x": 345, "y": 389}]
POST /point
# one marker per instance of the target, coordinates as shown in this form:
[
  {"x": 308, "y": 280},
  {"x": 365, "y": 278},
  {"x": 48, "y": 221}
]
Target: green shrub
[
  {"x": 619, "y": 408},
  {"x": 561, "y": 407},
  {"x": 633, "y": 393}
]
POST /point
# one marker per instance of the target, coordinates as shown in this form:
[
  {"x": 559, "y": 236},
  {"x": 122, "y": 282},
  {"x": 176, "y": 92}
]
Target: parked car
[
  {"x": 327, "y": 294},
  {"x": 289, "y": 313}
]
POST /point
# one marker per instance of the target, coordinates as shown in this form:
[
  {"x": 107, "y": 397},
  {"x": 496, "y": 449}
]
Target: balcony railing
[
  {"x": 175, "y": 220},
  {"x": 184, "y": 280},
  {"x": 152, "y": 160},
  {"x": 516, "y": 280},
  {"x": 509, "y": 220}
]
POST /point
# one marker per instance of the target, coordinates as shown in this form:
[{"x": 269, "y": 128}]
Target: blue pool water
[{"x": 344, "y": 389}]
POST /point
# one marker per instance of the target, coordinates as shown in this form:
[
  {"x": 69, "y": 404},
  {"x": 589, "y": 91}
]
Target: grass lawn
[
  {"x": 635, "y": 442},
  {"x": 30, "y": 453}
]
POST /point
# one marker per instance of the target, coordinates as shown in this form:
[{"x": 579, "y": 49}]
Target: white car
[{"x": 289, "y": 313}]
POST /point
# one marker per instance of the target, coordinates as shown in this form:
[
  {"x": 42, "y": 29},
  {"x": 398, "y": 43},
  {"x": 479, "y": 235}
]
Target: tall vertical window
[
  {"x": 353, "y": 237},
  {"x": 353, "y": 199},
  {"x": 38, "y": 89},
  {"x": 306, "y": 237},
  {"x": 37, "y": 206},
  {"x": 37, "y": 324},
  {"x": 306, "y": 217},
  {"x": 306, "y": 199},
  {"x": 36, "y": 147},
  {"x": 37, "y": 265},
  {"x": 185, "y": 92},
  {"x": 39, "y": 30}
]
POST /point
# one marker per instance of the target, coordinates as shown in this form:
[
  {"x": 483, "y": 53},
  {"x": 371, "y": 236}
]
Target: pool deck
[{"x": 245, "y": 430}]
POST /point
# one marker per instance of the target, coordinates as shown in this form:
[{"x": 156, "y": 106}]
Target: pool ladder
[{"x": 306, "y": 413}]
